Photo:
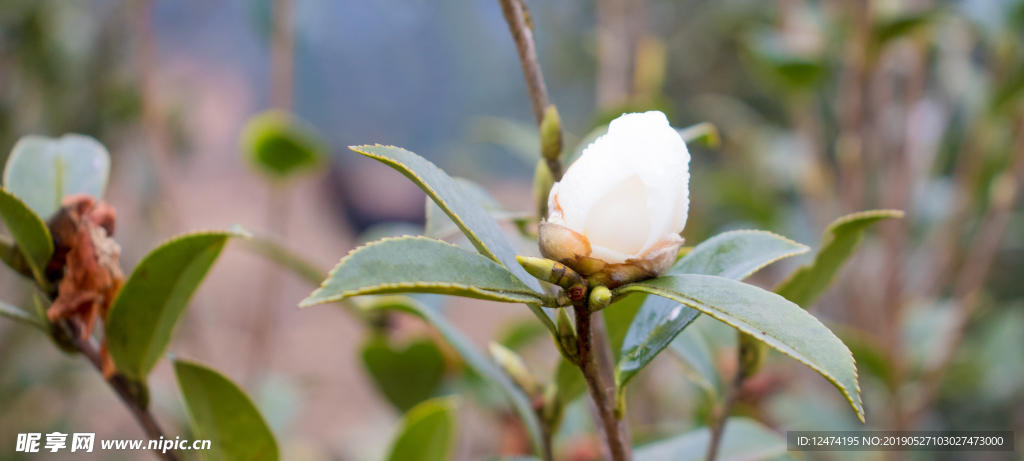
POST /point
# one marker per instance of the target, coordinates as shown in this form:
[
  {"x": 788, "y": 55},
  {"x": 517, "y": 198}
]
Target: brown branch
[
  {"x": 522, "y": 32},
  {"x": 614, "y": 431},
  {"x": 718, "y": 425},
  {"x": 521, "y": 27},
  {"x": 123, "y": 388}
]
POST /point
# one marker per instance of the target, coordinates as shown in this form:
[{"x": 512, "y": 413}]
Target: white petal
[
  {"x": 682, "y": 207},
  {"x": 619, "y": 220},
  {"x": 656, "y": 152},
  {"x": 589, "y": 178},
  {"x": 608, "y": 255}
]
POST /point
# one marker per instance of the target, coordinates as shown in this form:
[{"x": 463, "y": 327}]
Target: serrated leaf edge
[
  {"x": 876, "y": 214},
  {"x": 479, "y": 244},
  {"x": 830, "y": 236},
  {"x": 312, "y": 300},
  {"x": 718, "y": 315},
  {"x": 801, "y": 249}
]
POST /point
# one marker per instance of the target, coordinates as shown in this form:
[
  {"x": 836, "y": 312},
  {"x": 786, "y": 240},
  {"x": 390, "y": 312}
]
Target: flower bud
[
  {"x": 616, "y": 215},
  {"x": 551, "y": 134},
  {"x": 600, "y": 298},
  {"x": 556, "y": 273}
]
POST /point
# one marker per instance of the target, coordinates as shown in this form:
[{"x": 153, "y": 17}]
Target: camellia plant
[
  {"x": 606, "y": 273},
  {"x": 610, "y": 236}
]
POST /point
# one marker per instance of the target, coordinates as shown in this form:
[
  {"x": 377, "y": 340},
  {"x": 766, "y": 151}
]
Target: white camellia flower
[{"x": 616, "y": 215}]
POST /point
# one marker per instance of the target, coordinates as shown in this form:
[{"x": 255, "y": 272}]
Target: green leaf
[
  {"x": 473, "y": 357},
  {"x": 439, "y": 225},
  {"x": 733, "y": 255},
  {"x": 570, "y": 381},
  {"x": 737, "y": 254},
  {"x": 468, "y": 215},
  {"x": 693, "y": 349},
  {"x": 222, "y": 413},
  {"x": 13, "y": 313},
  {"x": 406, "y": 376},
  {"x": 742, "y": 439},
  {"x": 427, "y": 432},
  {"x": 30, "y": 234},
  {"x": 420, "y": 265},
  {"x": 281, "y": 145},
  {"x": 11, "y": 255},
  {"x": 144, "y": 313},
  {"x": 807, "y": 283},
  {"x": 42, "y": 171},
  {"x": 764, "y": 315}
]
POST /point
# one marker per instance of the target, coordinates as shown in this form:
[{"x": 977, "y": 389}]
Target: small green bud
[
  {"x": 751, "y": 355},
  {"x": 514, "y": 367},
  {"x": 600, "y": 298},
  {"x": 551, "y": 134},
  {"x": 567, "y": 337},
  {"x": 557, "y": 273},
  {"x": 542, "y": 182}
]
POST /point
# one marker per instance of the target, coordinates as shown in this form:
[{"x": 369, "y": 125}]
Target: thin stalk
[
  {"x": 718, "y": 425},
  {"x": 265, "y": 318},
  {"x": 90, "y": 350},
  {"x": 521, "y": 27},
  {"x": 618, "y": 445}
]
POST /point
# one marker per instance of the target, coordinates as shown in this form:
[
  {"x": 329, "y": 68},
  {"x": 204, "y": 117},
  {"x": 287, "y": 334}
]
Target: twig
[
  {"x": 617, "y": 444},
  {"x": 718, "y": 425},
  {"x": 121, "y": 386},
  {"x": 520, "y": 25},
  {"x": 522, "y": 34}
]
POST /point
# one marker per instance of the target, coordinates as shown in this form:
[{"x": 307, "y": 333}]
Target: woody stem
[
  {"x": 121, "y": 386},
  {"x": 614, "y": 429}
]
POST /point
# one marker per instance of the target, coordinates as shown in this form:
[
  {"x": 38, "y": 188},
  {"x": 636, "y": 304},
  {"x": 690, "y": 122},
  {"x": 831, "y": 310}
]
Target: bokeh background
[{"x": 824, "y": 108}]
